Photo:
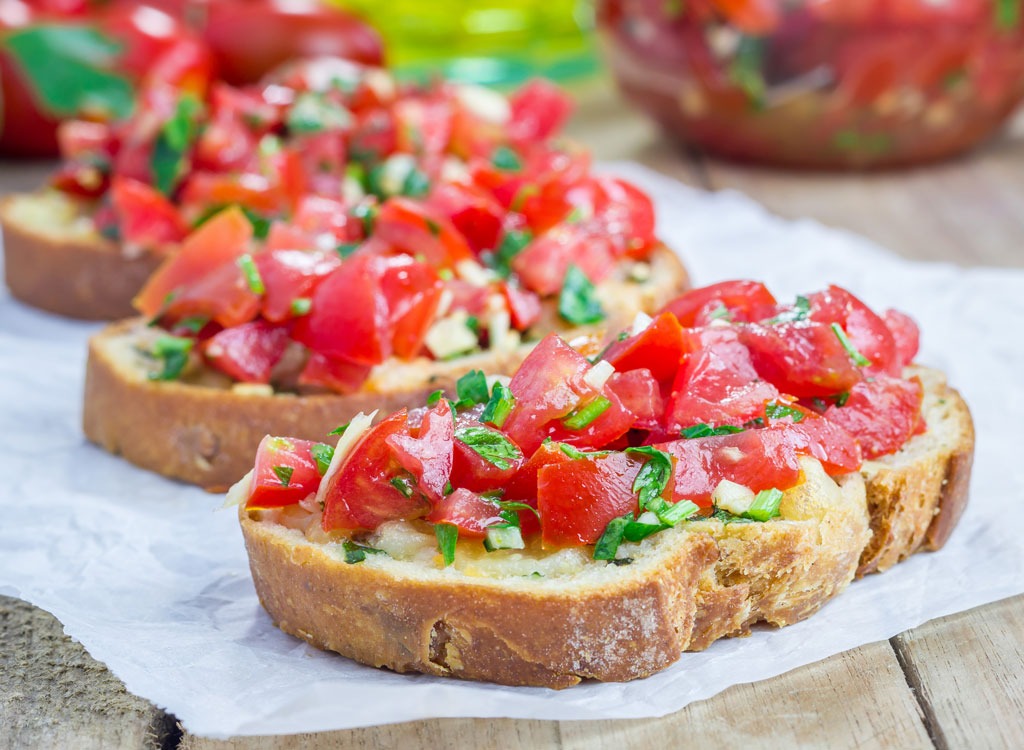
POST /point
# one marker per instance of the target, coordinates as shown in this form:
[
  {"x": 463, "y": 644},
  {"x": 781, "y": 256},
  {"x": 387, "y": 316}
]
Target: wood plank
[
  {"x": 53, "y": 694},
  {"x": 967, "y": 670}
]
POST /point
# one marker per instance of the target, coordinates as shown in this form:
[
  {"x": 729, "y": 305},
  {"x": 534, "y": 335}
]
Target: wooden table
[{"x": 955, "y": 682}]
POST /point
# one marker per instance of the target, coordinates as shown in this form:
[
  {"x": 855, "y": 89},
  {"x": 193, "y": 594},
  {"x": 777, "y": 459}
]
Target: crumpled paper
[{"x": 151, "y": 576}]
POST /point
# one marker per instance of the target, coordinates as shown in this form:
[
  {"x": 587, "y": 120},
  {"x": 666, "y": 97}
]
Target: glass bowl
[{"x": 820, "y": 83}]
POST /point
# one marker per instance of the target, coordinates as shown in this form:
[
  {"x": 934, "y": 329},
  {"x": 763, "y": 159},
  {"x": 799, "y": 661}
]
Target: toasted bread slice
[
  {"x": 205, "y": 431},
  {"x": 917, "y": 495},
  {"x": 478, "y": 619},
  {"x": 56, "y": 261}
]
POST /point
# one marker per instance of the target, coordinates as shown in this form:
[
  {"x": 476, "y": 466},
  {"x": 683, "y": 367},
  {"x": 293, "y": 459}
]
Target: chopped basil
[
  {"x": 608, "y": 545},
  {"x": 174, "y": 351},
  {"x": 512, "y": 243},
  {"x": 726, "y": 517},
  {"x": 499, "y": 406},
  {"x": 416, "y": 184},
  {"x": 252, "y": 274},
  {"x": 172, "y": 143},
  {"x": 578, "y": 302},
  {"x": 765, "y": 505},
  {"x": 284, "y": 474},
  {"x": 855, "y": 356},
  {"x": 447, "y": 536},
  {"x": 746, "y": 69},
  {"x": 506, "y": 159},
  {"x": 434, "y": 398},
  {"x": 472, "y": 389},
  {"x": 194, "y": 324},
  {"x": 706, "y": 430},
  {"x": 339, "y": 430},
  {"x": 448, "y": 489},
  {"x": 1008, "y": 13},
  {"x": 345, "y": 249},
  {"x": 776, "y": 410},
  {"x": 322, "y": 453},
  {"x": 800, "y": 310},
  {"x": 301, "y": 306},
  {"x": 403, "y": 485},
  {"x": 583, "y": 416},
  {"x": 652, "y": 479},
  {"x": 312, "y": 112},
  {"x": 356, "y": 553},
  {"x": 490, "y": 445}
]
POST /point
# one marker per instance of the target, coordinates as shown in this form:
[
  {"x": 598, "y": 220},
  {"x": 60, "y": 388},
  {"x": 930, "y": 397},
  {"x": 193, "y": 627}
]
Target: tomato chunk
[
  {"x": 467, "y": 510},
  {"x": 905, "y": 334},
  {"x": 867, "y": 332},
  {"x": 882, "y": 414},
  {"x": 802, "y": 359},
  {"x": 412, "y": 227},
  {"x": 289, "y": 275},
  {"x": 247, "y": 352},
  {"x": 744, "y": 301},
  {"x": 428, "y": 455},
  {"x": 147, "y": 218},
  {"x": 658, "y": 348},
  {"x": 413, "y": 292},
  {"x": 285, "y": 473}
]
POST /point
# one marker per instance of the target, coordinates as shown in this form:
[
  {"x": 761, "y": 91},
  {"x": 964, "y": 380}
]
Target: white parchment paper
[{"x": 152, "y": 577}]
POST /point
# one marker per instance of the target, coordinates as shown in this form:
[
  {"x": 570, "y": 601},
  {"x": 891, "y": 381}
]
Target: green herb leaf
[
  {"x": 490, "y": 445},
  {"x": 608, "y": 545},
  {"x": 252, "y": 274},
  {"x": 434, "y": 398},
  {"x": 583, "y": 416},
  {"x": 765, "y": 505},
  {"x": 855, "y": 356},
  {"x": 284, "y": 474},
  {"x": 301, "y": 306},
  {"x": 499, "y": 407},
  {"x": 506, "y": 159},
  {"x": 776, "y": 410},
  {"x": 345, "y": 249},
  {"x": 1008, "y": 14},
  {"x": 356, "y": 553},
  {"x": 706, "y": 430},
  {"x": 512, "y": 243},
  {"x": 69, "y": 68},
  {"x": 578, "y": 302},
  {"x": 339, "y": 430},
  {"x": 652, "y": 479},
  {"x": 174, "y": 351},
  {"x": 800, "y": 310},
  {"x": 842, "y": 398},
  {"x": 312, "y": 112},
  {"x": 416, "y": 184},
  {"x": 322, "y": 453},
  {"x": 472, "y": 389},
  {"x": 746, "y": 70},
  {"x": 403, "y": 485},
  {"x": 173, "y": 142},
  {"x": 447, "y": 536}
]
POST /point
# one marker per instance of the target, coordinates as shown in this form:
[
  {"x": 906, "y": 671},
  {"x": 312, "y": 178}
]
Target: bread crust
[
  {"x": 917, "y": 495},
  {"x": 388, "y": 613},
  {"x": 78, "y": 276}
]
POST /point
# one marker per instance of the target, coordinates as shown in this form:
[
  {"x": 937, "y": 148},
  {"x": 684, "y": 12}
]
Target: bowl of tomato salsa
[{"x": 820, "y": 83}]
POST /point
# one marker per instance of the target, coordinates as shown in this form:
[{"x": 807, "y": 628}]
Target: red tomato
[
  {"x": 577, "y": 499},
  {"x": 867, "y": 331},
  {"x": 474, "y": 472},
  {"x": 147, "y": 219},
  {"x": 252, "y": 191},
  {"x": 285, "y": 473},
  {"x": 222, "y": 239},
  {"x": 359, "y": 495},
  {"x": 413, "y": 291},
  {"x": 802, "y": 359},
  {"x": 476, "y": 215},
  {"x": 826, "y": 441},
  {"x": 541, "y": 265},
  {"x": 522, "y": 488},
  {"x": 745, "y": 300},
  {"x": 335, "y": 374},
  {"x": 412, "y": 227},
  {"x": 881, "y": 413},
  {"x": 349, "y": 315},
  {"x": 223, "y": 295},
  {"x": 626, "y": 213},
  {"x": 640, "y": 395},
  {"x": 318, "y": 215},
  {"x": 289, "y": 275},
  {"x": 539, "y": 110},
  {"x": 428, "y": 454},
  {"x": 247, "y": 352},
  {"x": 251, "y": 37},
  {"x": 758, "y": 459},
  {"x": 524, "y": 306},
  {"x": 658, "y": 348},
  {"x": 905, "y": 335},
  {"x": 375, "y": 135},
  {"x": 424, "y": 127},
  {"x": 756, "y": 17},
  {"x": 467, "y": 510}
]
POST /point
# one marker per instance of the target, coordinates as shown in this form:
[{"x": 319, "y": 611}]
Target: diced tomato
[
  {"x": 81, "y": 139},
  {"x": 476, "y": 215},
  {"x": 802, "y": 359},
  {"x": 424, "y": 126},
  {"x": 469, "y": 297},
  {"x": 469, "y": 511},
  {"x": 474, "y": 472},
  {"x": 221, "y": 240},
  {"x": 285, "y": 473},
  {"x": 578, "y": 498},
  {"x": 614, "y": 422},
  {"x": 147, "y": 219},
  {"x": 756, "y": 17},
  {"x": 522, "y": 488},
  {"x": 826, "y": 441},
  {"x": 745, "y": 300},
  {"x": 349, "y": 314},
  {"x": 413, "y": 292},
  {"x": 428, "y": 454},
  {"x": 359, "y": 495},
  {"x": 374, "y": 137},
  {"x": 247, "y": 352},
  {"x": 318, "y": 215},
  {"x": 866, "y": 330},
  {"x": 412, "y": 227},
  {"x": 881, "y": 413},
  {"x": 338, "y": 375},
  {"x": 542, "y": 265},
  {"x": 223, "y": 295},
  {"x": 539, "y": 110},
  {"x": 626, "y": 213},
  {"x": 252, "y": 191},
  {"x": 905, "y": 334},
  {"x": 523, "y": 305},
  {"x": 758, "y": 459},
  {"x": 658, "y": 348},
  {"x": 640, "y": 395},
  {"x": 289, "y": 275}
]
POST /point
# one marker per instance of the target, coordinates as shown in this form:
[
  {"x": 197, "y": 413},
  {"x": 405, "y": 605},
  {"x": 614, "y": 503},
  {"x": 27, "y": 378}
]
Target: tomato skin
[
  {"x": 906, "y": 336},
  {"x": 247, "y": 352},
  {"x": 522, "y": 487},
  {"x": 474, "y": 472},
  {"x": 411, "y": 226},
  {"x": 428, "y": 455},
  {"x": 881, "y": 414},
  {"x": 828, "y": 442},
  {"x": 539, "y": 109},
  {"x": 337, "y": 375},
  {"x": 578, "y": 498},
  {"x": 866, "y": 330},
  {"x": 658, "y": 348},
  {"x": 467, "y": 510},
  {"x": 147, "y": 219},
  {"x": 289, "y": 274},
  {"x": 317, "y": 215},
  {"x": 626, "y": 213},
  {"x": 640, "y": 395},
  {"x": 252, "y": 191},
  {"x": 413, "y": 292},
  {"x": 268, "y": 491},
  {"x": 474, "y": 213},
  {"x": 524, "y": 306},
  {"x": 745, "y": 300},
  {"x": 804, "y": 359},
  {"x": 359, "y": 495},
  {"x": 221, "y": 240},
  {"x": 542, "y": 264}
]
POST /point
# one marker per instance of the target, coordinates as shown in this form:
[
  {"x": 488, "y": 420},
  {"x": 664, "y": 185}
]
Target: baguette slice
[
  {"x": 56, "y": 261},
  {"x": 488, "y": 618},
  {"x": 204, "y": 431}
]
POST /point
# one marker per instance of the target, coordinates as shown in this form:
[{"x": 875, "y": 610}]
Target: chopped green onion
[
  {"x": 503, "y": 537},
  {"x": 842, "y": 398},
  {"x": 765, "y": 505},
  {"x": 512, "y": 243},
  {"x": 652, "y": 479},
  {"x": 447, "y": 536},
  {"x": 578, "y": 302},
  {"x": 472, "y": 389},
  {"x": 499, "y": 406},
  {"x": 490, "y": 445},
  {"x": 585, "y": 415},
  {"x": 322, "y": 453},
  {"x": 284, "y": 474},
  {"x": 301, "y": 306},
  {"x": 506, "y": 159},
  {"x": 674, "y": 514},
  {"x": 174, "y": 351},
  {"x": 403, "y": 485},
  {"x": 434, "y": 398},
  {"x": 252, "y": 274},
  {"x": 345, "y": 249},
  {"x": 706, "y": 430},
  {"x": 356, "y": 553},
  {"x": 776, "y": 410},
  {"x": 571, "y": 452},
  {"x": 858, "y": 359},
  {"x": 636, "y": 531},
  {"x": 726, "y": 517},
  {"x": 339, "y": 430},
  {"x": 194, "y": 324},
  {"x": 608, "y": 545}
]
